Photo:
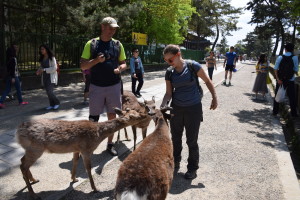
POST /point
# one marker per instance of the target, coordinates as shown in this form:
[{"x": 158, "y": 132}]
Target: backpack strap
[
  {"x": 93, "y": 47},
  {"x": 193, "y": 72}
]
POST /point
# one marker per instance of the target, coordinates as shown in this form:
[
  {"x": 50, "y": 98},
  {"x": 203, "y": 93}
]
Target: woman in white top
[{"x": 48, "y": 70}]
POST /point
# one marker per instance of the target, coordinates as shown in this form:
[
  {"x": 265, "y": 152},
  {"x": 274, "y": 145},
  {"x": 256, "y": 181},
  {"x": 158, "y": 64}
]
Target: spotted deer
[{"x": 130, "y": 101}]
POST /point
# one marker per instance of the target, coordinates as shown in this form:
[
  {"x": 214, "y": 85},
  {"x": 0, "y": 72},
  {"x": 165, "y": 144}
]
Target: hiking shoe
[
  {"x": 111, "y": 149},
  {"x": 176, "y": 167},
  {"x": 190, "y": 174},
  {"x": 224, "y": 83},
  {"x": 49, "y": 108},
  {"x": 55, "y": 107},
  {"x": 229, "y": 84},
  {"x": 2, "y": 105},
  {"x": 23, "y": 103}
]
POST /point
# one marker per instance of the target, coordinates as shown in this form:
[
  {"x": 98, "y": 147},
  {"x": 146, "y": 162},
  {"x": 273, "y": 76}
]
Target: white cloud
[{"x": 243, "y": 20}]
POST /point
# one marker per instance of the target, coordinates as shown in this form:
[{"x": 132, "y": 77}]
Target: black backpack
[
  {"x": 286, "y": 68},
  {"x": 170, "y": 70}
]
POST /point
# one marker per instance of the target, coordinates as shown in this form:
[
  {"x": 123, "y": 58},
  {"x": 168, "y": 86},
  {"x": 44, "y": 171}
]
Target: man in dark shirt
[{"x": 105, "y": 57}]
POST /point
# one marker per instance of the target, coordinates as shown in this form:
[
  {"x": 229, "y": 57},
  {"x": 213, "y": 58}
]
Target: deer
[
  {"x": 147, "y": 173},
  {"x": 59, "y": 136},
  {"x": 129, "y": 100}
]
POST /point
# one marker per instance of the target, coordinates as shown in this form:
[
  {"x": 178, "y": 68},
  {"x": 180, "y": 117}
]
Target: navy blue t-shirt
[
  {"x": 102, "y": 74},
  {"x": 186, "y": 92}
]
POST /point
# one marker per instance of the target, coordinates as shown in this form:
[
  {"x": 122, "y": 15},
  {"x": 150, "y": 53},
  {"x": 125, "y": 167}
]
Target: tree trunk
[
  {"x": 275, "y": 47},
  {"x": 217, "y": 38},
  {"x": 282, "y": 38},
  {"x": 294, "y": 32}
]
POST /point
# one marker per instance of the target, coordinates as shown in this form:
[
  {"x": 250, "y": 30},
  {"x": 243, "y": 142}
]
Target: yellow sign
[{"x": 139, "y": 38}]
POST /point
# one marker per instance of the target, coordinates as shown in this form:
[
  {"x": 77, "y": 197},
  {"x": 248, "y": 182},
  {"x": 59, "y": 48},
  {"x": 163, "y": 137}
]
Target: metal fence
[{"x": 68, "y": 50}]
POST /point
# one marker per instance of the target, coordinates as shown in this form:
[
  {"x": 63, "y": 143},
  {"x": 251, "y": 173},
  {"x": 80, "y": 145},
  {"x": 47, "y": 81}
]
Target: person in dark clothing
[
  {"x": 183, "y": 88},
  {"x": 137, "y": 72},
  {"x": 288, "y": 84},
  {"x": 13, "y": 76}
]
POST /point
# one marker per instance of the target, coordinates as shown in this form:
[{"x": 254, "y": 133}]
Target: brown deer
[
  {"x": 58, "y": 136},
  {"x": 129, "y": 100},
  {"x": 147, "y": 173}
]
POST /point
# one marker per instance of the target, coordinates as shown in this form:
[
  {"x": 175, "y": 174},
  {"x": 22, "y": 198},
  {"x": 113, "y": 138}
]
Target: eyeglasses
[{"x": 170, "y": 60}]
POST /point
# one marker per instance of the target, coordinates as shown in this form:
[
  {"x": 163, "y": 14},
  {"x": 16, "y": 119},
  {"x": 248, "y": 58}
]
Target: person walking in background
[
  {"x": 137, "y": 72},
  {"x": 211, "y": 64},
  {"x": 262, "y": 69},
  {"x": 230, "y": 61},
  {"x": 183, "y": 88},
  {"x": 48, "y": 70},
  {"x": 286, "y": 66},
  {"x": 87, "y": 81},
  {"x": 105, "y": 57},
  {"x": 13, "y": 76}
]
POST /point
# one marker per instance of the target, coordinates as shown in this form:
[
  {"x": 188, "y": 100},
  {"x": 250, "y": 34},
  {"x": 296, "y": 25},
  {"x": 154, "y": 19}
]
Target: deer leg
[
  {"x": 87, "y": 163},
  {"x": 27, "y": 161},
  {"x": 74, "y": 167},
  {"x": 126, "y": 135},
  {"x": 134, "y": 136},
  {"x": 118, "y": 138},
  {"x": 144, "y": 132}
]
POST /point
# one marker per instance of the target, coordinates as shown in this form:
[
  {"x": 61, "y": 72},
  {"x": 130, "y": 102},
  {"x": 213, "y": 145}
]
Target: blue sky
[{"x": 243, "y": 23}]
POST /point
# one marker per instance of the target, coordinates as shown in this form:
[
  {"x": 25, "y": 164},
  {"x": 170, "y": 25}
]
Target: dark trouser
[
  {"x": 290, "y": 91},
  {"x": 8, "y": 88},
  {"x": 140, "y": 79},
  {"x": 49, "y": 87},
  {"x": 210, "y": 72},
  {"x": 188, "y": 118}
]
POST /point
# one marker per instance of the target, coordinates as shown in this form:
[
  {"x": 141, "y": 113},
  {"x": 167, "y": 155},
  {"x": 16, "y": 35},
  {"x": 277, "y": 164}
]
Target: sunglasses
[{"x": 170, "y": 60}]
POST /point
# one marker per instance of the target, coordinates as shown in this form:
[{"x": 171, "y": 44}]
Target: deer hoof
[
  {"x": 75, "y": 180},
  {"x": 95, "y": 190},
  {"x": 34, "y": 181}
]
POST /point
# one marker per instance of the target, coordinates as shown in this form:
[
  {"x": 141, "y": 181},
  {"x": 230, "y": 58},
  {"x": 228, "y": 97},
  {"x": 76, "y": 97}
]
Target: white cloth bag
[{"x": 280, "y": 96}]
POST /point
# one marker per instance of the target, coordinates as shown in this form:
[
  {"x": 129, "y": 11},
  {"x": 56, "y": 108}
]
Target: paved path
[{"x": 242, "y": 149}]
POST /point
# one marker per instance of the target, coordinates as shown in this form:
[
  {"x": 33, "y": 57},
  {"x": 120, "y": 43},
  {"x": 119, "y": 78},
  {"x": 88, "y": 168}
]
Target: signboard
[{"x": 139, "y": 38}]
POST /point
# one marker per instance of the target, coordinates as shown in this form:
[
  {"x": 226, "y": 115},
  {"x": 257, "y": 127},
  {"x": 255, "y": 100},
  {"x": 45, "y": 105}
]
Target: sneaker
[
  {"x": 139, "y": 94},
  {"x": 55, "y": 107},
  {"x": 49, "y": 108},
  {"x": 2, "y": 105},
  {"x": 229, "y": 84},
  {"x": 23, "y": 103},
  {"x": 224, "y": 83},
  {"x": 190, "y": 174},
  {"x": 111, "y": 149}
]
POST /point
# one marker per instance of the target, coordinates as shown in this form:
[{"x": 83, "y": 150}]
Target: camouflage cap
[{"x": 110, "y": 21}]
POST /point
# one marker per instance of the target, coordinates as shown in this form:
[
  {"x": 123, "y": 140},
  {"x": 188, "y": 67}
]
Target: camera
[{"x": 105, "y": 55}]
